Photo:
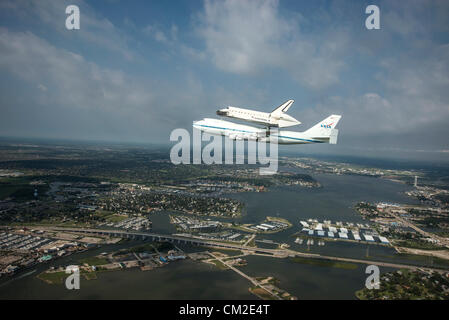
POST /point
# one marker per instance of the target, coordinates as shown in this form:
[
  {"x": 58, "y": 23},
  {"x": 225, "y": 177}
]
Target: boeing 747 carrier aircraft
[{"x": 322, "y": 132}]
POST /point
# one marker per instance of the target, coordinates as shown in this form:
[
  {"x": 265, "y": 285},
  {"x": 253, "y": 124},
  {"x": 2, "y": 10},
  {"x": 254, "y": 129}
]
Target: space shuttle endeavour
[{"x": 277, "y": 118}]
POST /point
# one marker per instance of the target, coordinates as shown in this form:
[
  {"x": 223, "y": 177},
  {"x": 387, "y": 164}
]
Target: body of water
[{"x": 195, "y": 280}]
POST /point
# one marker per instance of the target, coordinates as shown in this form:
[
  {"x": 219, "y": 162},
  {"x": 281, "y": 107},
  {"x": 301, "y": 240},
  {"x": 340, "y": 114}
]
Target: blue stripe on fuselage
[{"x": 308, "y": 140}]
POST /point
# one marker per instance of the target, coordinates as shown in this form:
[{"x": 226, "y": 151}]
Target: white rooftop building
[
  {"x": 304, "y": 224},
  {"x": 268, "y": 225},
  {"x": 384, "y": 240},
  {"x": 343, "y": 235}
]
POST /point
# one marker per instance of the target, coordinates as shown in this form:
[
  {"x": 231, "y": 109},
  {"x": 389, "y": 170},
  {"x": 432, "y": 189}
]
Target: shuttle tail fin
[
  {"x": 325, "y": 130},
  {"x": 283, "y": 108}
]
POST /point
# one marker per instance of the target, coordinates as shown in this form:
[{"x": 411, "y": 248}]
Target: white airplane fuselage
[{"x": 236, "y": 131}]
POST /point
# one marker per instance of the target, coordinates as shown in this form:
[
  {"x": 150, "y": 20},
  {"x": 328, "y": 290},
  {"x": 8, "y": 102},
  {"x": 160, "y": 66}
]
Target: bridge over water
[
  {"x": 169, "y": 238},
  {"x": 279, "y": 253}
]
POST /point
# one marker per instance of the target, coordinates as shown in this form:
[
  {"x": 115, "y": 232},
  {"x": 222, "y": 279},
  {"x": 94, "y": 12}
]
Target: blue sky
[{"x": 138, "y": 69}]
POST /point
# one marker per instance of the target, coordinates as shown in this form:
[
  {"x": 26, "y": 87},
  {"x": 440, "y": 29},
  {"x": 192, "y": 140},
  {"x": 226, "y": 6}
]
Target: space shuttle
[
  {"x": 324, "y": 131},
  {"x": 277, "y": 118}
]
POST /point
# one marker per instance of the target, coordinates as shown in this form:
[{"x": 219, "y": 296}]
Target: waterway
[{"x": 195, "y": 280}]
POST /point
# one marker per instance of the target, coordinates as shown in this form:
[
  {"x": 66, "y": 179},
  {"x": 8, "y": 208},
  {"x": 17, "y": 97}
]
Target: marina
[{"x": 341, "y": 231}]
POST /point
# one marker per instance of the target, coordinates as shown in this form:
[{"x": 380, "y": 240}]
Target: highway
[{"x": 276, "y": 253}]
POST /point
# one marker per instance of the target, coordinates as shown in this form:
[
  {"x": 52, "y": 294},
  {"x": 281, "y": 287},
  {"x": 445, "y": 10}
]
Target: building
[
  {"x": 304, "y": 224},
  {"x": 263, "y": 228},
  {"x": 333, "y": 229},
  {"x": 343, "y": 235},
  {"x": 269, "y": 226},
  {"x": 384, "y": 240}
]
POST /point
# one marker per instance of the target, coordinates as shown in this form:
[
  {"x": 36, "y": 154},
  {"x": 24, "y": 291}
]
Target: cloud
[
  {"x": 96, "y": 30},
  {"x": 140, "y": 82},
  {"x": 42, "y": 87},
  {"x": 156, "y": 33},
  {"x": 78, "y": 98},
  {"x": 253, "y": 37}
]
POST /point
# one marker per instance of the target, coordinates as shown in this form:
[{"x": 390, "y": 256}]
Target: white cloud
[
  {"x": 252, "y": 37},
  {"x": 394, "y": 82},
  {"x": 95, "y": 29},
  {"x": 42, "y": 87},
  {"x": 85, "y": 99}
]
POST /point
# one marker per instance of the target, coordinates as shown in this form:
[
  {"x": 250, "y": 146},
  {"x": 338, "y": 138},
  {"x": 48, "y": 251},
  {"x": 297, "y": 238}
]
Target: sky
[{"x": 136, "y": 70}]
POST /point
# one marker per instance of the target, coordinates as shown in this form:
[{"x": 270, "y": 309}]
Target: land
[
  {"x": 146, "y": 257},
  {"x": 58, "y": 200},
  {"x": 342, "y": 168},
  {"x": 403, "y": 225},
  {"x": 408, "y": 285},
  {"x": 325, "y": 263}
]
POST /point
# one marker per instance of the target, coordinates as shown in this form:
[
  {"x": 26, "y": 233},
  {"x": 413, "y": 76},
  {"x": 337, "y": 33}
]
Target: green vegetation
[
  {"x": 94, "y": 261},
  {"x": 148, "y": 247},
  {"x": 428, "y": 261},
  {"x": 59, "y": 277},
  {"x": 296, "y": 177},
  {"x": 219, "y": 264},
  {"x": 20, "y": 189},
  {"x": 365, "y": 205},
  {"x": 325, "y": 263},
  {"x": 115, "y": 218},
  {"x": 271, "y": 280},
  {"x": 89, "y": 275},
  {"x": 434, "y": 222},
  {"x": 261, "y": 293},
  {"x": 408, "y": 285},
  {"x": 279, "y": 219},
  {"x": 418, "y": 244},
  {"x": 265, "y": 182},
  {"x": 227, "y": 251},
  {"x": 53, "y": 277},
  {"x": 444, "y": 234}
]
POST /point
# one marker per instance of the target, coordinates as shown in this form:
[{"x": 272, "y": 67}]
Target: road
[
  {"x": 407, "y": 223},
  {"x": 249, "y": 240},
  {"x": 276, "y": 253},
  {"x": 251, "y": 279}
]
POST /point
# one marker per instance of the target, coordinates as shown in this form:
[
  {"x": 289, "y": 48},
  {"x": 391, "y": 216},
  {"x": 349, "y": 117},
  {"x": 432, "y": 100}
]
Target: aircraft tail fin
[
  {"x": 283, "y": 108},
  {"x": 325, "y": 130}
]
